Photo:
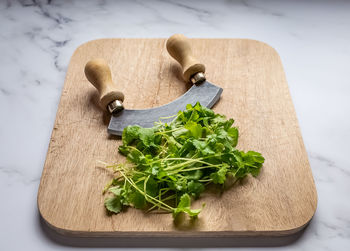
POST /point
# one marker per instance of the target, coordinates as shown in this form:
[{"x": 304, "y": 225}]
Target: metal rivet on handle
[
  {"x": 198, "y": 78},
  {"x": 115, "y": 106}
]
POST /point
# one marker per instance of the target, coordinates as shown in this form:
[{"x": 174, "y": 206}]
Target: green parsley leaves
[{"x": 171, "y": 163}]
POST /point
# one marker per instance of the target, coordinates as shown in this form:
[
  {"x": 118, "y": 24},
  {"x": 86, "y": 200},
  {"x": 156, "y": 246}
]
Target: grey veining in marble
[{"x": 37, "y": 39}]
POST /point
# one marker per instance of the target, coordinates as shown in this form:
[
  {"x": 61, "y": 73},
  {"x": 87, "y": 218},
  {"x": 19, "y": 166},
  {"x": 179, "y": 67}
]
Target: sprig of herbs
[{"x": 171, "y": 163}]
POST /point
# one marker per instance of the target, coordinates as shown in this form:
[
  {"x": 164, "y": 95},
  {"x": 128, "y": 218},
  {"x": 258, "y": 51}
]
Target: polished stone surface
[{"x": 37, "y": 40}]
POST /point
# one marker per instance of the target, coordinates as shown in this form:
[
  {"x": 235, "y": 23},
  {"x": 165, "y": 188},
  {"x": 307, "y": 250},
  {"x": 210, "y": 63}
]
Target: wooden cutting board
[{"x": 281, "y": 201}]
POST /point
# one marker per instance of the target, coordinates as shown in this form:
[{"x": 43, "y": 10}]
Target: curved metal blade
[{"x": 205, "y": 93}]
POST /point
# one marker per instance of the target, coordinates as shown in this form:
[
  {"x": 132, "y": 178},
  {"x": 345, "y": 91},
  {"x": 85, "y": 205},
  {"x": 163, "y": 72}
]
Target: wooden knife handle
[
  {"x": 179, "y": 48},
  {"x": 99, "y": 74}
]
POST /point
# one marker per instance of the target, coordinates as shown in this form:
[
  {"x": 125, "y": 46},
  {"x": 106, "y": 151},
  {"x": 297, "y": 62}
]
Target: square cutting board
[{"x": 280, "y": 202}]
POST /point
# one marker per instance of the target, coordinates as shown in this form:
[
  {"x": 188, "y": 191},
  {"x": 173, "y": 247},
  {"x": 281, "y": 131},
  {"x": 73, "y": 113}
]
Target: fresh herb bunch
[{"x": 172, "y": 162}]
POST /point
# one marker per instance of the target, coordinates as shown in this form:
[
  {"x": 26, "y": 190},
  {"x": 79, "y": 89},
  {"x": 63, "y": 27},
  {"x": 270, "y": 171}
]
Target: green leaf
[
  {"x": 185, "y": 201},
  {"x": 219, "y": 147},
  {"x": 219, "y": 177},
  {"x": 233, "y": 134},
  {"x": 184, "y": 206},
  {"x": 241, "y": 172},
  {"x": 151, "y": 187},
  {"x": 203, "y": 147},
  {"x": 147, "y": 136},
  {"x": 180, "y": 132},
  {"x": 218, "y": 119},
  {"x": 194, "y": 129},
  {"x": 189, "y": 107},
  {"x": 130, "y": 133},
  {"x": 254, "y": 161},
  {"x": 195, "y": 188},
  {"x": 137, "y": 199},
  {"x": 113, "y": 204},
  {"x": 123, "y": 149},
  {"x": 194, "y": 175},
  {"x": 136, "y": 157},
  {"x": 257, "y": 157},
  {"x": 181, "y": 185},
  {"x": 116, "y": 190},
  {"x": 254, "y": 171}
]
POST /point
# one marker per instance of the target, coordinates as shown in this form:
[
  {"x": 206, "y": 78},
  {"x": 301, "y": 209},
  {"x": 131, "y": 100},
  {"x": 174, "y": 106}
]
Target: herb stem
[{"x": 146, "y": 195}]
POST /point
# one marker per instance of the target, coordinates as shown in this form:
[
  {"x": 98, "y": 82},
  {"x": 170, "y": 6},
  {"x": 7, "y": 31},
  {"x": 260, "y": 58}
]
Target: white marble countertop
[{"x": 37, "y": 40}]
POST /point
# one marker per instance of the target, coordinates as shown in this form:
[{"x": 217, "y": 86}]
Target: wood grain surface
[{"x": 281, "y": 201}]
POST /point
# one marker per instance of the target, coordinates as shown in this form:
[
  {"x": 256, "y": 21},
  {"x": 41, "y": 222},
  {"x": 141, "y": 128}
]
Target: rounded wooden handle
[
  {"x": 179, "y": 48},
  {"x": 99, "y": 74}
]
